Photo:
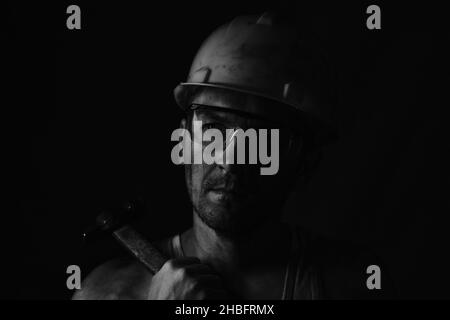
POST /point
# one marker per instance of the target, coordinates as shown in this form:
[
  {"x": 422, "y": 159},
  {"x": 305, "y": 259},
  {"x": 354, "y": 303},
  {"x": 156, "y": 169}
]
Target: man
[{"x": 253, "y": 73}]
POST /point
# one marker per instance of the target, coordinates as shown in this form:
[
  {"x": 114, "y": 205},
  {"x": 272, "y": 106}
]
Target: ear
[
  {"x": 296, "y": 165},
  {"x": 307, "y": 161},
  {"x": 312, "y": 161},
  {"x": 296, "y": 146},
  {"x": 183, "y": 123}
]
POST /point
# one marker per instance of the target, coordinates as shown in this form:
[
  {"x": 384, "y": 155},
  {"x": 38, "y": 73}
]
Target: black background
[{"x": 89, "y": 115}]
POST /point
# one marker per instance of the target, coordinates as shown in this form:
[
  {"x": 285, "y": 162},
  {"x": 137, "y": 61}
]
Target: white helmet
[{"x": 256, "y": 55}]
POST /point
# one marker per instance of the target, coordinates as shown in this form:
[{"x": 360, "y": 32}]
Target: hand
[{"x": 186, "y": 279}]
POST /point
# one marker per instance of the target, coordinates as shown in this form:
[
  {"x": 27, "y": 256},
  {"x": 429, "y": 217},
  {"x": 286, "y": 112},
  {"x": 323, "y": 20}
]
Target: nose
[
  {"x": 229, "y": 158},
  {"x": 235, "y": 149}
]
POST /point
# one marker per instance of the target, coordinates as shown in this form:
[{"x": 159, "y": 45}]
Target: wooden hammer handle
[{"x": 141, "y": 248}]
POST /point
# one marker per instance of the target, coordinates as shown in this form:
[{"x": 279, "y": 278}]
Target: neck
[{"x": 228, "y": 255}]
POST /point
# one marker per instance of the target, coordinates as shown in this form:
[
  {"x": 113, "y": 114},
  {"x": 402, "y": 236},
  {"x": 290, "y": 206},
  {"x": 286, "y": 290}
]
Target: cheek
[
  {"x": 194, "y": 178},
  {"x": 289, "y": 163},
  {"x": 274, "y": 184}
]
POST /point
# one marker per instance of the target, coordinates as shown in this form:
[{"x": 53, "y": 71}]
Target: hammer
[{"x": 117, "y": 223}]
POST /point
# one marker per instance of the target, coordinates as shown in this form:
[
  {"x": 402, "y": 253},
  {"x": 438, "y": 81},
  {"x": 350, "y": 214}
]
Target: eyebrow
[
  {"x": 210, "y": 115},
  {"x": 216, "y": 114}
]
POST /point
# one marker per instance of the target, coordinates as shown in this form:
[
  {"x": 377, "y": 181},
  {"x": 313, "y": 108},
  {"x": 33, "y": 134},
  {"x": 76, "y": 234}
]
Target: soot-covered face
[{"x": 235, "y": 198}]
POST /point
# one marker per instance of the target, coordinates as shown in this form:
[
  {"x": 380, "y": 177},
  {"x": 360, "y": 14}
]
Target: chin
[{"x": 230, "y": 219}]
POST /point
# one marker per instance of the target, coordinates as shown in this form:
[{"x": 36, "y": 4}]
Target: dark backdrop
[{"x": 90, "y": 113}]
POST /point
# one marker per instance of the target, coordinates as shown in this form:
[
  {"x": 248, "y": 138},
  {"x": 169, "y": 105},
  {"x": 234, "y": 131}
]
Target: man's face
[{"x": 235, "y": 198}]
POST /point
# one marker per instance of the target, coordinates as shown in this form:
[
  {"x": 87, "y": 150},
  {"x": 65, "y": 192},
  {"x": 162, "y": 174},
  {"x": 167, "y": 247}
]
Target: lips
[
  {"x": 228, "y": 191},
  {"x": 228, "y": 186}
]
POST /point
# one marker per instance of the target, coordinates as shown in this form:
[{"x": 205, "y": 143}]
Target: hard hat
[{"x": 259, "y": 56}]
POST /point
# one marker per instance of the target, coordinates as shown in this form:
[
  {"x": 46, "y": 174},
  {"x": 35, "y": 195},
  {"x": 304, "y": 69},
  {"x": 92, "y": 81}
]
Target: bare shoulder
[
  {"x": 119, "y": 279},
  {"x": 114, "y": 280}
]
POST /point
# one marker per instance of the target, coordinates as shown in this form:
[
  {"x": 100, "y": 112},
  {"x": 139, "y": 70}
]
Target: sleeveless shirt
[{"x": 301, "y": 280}]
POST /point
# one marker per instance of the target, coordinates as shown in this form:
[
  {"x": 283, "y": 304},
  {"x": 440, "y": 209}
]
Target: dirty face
[{"x": 235, "y": 198}]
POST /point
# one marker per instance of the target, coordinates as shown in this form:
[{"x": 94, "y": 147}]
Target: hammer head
[{"x": 110, "y": 220}]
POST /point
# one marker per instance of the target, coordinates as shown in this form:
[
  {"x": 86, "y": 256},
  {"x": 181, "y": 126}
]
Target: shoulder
[
  {"x": 343, "y": 269},
  {"x": 115, "y": 279},
  {"x": 124, "y": 278}
]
